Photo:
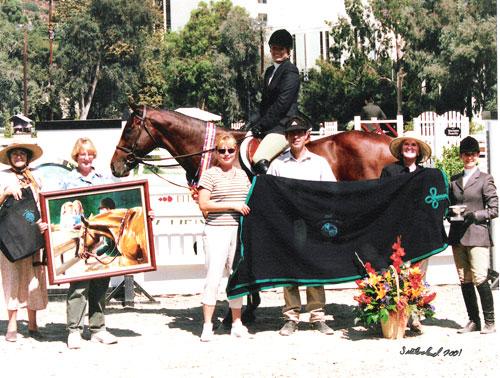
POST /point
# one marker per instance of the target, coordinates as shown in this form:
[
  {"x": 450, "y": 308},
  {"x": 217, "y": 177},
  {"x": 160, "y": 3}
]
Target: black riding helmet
[
  {"x": 282, "y": 38},
  {"x": 469, "y": 144}
]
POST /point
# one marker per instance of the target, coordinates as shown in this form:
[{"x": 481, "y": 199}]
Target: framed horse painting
[{"x": 98, "y": 231}]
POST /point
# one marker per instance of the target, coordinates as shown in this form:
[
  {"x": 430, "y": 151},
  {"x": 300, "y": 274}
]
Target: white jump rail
[{"x": 398, "y": 122}]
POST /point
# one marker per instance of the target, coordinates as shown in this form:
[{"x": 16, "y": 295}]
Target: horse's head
[
  {"x": 137, "y": 140},
  {"x": 88, "y": 236}
]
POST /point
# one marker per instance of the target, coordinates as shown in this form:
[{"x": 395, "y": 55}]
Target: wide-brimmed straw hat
[
  {"x": 395, "y": 146},
  {"x": 35, "y": 152}
]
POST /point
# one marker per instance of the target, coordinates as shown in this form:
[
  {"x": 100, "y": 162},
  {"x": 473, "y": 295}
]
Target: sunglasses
[{"x": 222, "y": 151}]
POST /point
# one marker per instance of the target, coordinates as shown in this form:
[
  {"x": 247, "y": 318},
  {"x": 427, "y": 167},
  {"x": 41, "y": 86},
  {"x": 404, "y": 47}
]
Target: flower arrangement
[{"x": 399, "y": 289}]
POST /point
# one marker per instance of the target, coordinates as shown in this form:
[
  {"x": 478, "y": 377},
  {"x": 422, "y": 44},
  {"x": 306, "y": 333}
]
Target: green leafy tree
[
  {"x": 450, "y": 163},
  {"x": 360, "y": 66},
  {"x": 100, "y": 53},
  {"x": 16, "y": 18},
  {"x": 447, "y": 52},
  {"x": 212, "y": 62}
]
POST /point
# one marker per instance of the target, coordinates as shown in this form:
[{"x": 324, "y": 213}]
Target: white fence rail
[
  {"x": 397, "y": 124},
  {"x": 177, "y": 227}
]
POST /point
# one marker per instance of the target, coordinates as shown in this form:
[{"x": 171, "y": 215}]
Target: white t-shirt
[{"x": 310, "y": 167}]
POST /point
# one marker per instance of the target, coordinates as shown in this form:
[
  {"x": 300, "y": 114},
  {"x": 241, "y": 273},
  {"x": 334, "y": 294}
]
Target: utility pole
[
  {"x": 51, "y": 42},
  {"x": 164, "y": 16},
  {"x": 25, "y": 71},
  {"x": 51, "y": 34}
]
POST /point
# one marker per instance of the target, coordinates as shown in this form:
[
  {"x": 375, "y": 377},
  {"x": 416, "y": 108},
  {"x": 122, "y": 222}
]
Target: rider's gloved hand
[{"x": 257, "y": 131}]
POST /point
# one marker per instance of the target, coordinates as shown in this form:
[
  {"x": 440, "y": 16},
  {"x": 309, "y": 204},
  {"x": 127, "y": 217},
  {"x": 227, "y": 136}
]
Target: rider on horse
[{"x": 279, "y": 101}]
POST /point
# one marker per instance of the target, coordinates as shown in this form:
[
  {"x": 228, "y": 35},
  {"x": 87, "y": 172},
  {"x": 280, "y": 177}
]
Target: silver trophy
[{"x": 458, "y": 210}]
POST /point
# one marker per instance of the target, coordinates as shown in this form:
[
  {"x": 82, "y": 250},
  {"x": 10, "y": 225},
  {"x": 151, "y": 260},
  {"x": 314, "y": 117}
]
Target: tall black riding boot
[
  {"x": 470, "y": 299},
  {"x": 486, "y": 296},
  {"x": 261, "y": 167}
]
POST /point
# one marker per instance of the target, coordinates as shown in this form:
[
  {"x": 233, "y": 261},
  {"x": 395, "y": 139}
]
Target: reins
[{"x": 115, "y": 248}]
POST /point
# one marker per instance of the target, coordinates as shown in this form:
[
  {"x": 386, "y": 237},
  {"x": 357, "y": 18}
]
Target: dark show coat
[{"x": 279, "y": 97}]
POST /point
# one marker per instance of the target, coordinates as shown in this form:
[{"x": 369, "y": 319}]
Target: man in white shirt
[{"x": 299, "y": 163}]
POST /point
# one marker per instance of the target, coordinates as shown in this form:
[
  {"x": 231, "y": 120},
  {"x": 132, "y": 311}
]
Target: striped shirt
[{"x": 224, "y": 188}]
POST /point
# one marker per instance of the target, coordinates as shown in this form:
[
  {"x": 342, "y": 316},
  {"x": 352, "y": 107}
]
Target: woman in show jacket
[{"x": 471, "y": 239}]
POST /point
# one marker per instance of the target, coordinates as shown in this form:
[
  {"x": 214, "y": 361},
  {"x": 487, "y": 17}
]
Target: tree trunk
[
  {"x": 399, "y": 90},
  {"x": 86, "y": 100}
]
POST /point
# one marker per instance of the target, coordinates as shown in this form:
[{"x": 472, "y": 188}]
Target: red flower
[
  {"x": 429, "y": 298},
  {"x": 397, "y": 253},
  {"x": 369, "y": 268},
  {"x": 363, "y": 299}
]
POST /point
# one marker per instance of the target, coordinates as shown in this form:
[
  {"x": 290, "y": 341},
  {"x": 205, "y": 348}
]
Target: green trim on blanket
[{"x": 278, "y": 282}]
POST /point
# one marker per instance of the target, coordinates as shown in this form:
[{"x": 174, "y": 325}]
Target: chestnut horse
[
  {"x": 125, "y": 227},
  {"x": 352, "y": 155}
]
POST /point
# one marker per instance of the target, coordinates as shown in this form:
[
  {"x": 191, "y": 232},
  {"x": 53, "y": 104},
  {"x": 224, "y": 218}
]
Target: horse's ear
[{"x": 136, "y": 108}]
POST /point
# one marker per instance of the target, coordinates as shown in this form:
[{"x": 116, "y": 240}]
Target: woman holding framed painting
[{"x": 94, "y": 290}]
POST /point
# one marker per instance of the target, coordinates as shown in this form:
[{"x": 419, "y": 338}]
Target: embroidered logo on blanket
[{"x": 29, "y": 216}]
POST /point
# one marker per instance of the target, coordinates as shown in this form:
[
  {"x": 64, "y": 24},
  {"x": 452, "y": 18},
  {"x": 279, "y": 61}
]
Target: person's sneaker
[
  {"x": 104, "y": 337},
  {"x": 74, "y": 340},
  {"x": 322, "y": 327},
  {"x": 288, "y": 328},
  {"x": 488, "y": 328},
  {"x": 208, "y": 332},
  {"x": 471, "y": 326},
  {"x": 239, "y": 330}
]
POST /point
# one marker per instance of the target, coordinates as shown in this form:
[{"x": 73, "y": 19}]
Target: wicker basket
[{"x": 394, "y": 327}]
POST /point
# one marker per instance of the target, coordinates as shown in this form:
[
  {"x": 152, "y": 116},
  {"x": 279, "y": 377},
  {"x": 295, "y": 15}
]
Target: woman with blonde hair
[
  {"x": 92, "y": 291},
  {"x": 23, "y": 281},
  {"x": 222, "y": 193}
]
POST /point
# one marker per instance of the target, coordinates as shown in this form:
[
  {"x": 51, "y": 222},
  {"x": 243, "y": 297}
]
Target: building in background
[{"x": 305, "y": 20}]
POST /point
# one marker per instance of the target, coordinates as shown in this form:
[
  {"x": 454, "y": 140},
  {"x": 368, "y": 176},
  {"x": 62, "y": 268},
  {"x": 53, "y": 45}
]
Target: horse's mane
[
  {"x": 171, "y": 113},
  {"x": 183, "y": 118}
]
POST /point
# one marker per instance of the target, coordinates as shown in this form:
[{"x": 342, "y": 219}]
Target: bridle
[
  {"x": 95, "y": 239},
  {"x": 132, "y": 158}
]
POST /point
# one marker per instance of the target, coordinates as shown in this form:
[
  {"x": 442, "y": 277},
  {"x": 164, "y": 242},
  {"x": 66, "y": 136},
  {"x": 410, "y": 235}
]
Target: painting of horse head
[{"x": 125, "y": 227}]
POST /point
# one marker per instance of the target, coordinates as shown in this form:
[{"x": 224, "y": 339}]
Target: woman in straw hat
[
  {"x": 23, "y": 281},
  {"x": 411, "y": 152}
]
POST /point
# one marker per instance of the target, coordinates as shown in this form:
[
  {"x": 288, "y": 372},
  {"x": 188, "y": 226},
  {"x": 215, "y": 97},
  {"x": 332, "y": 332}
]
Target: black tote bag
[{"x": 20, "y": 236}]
